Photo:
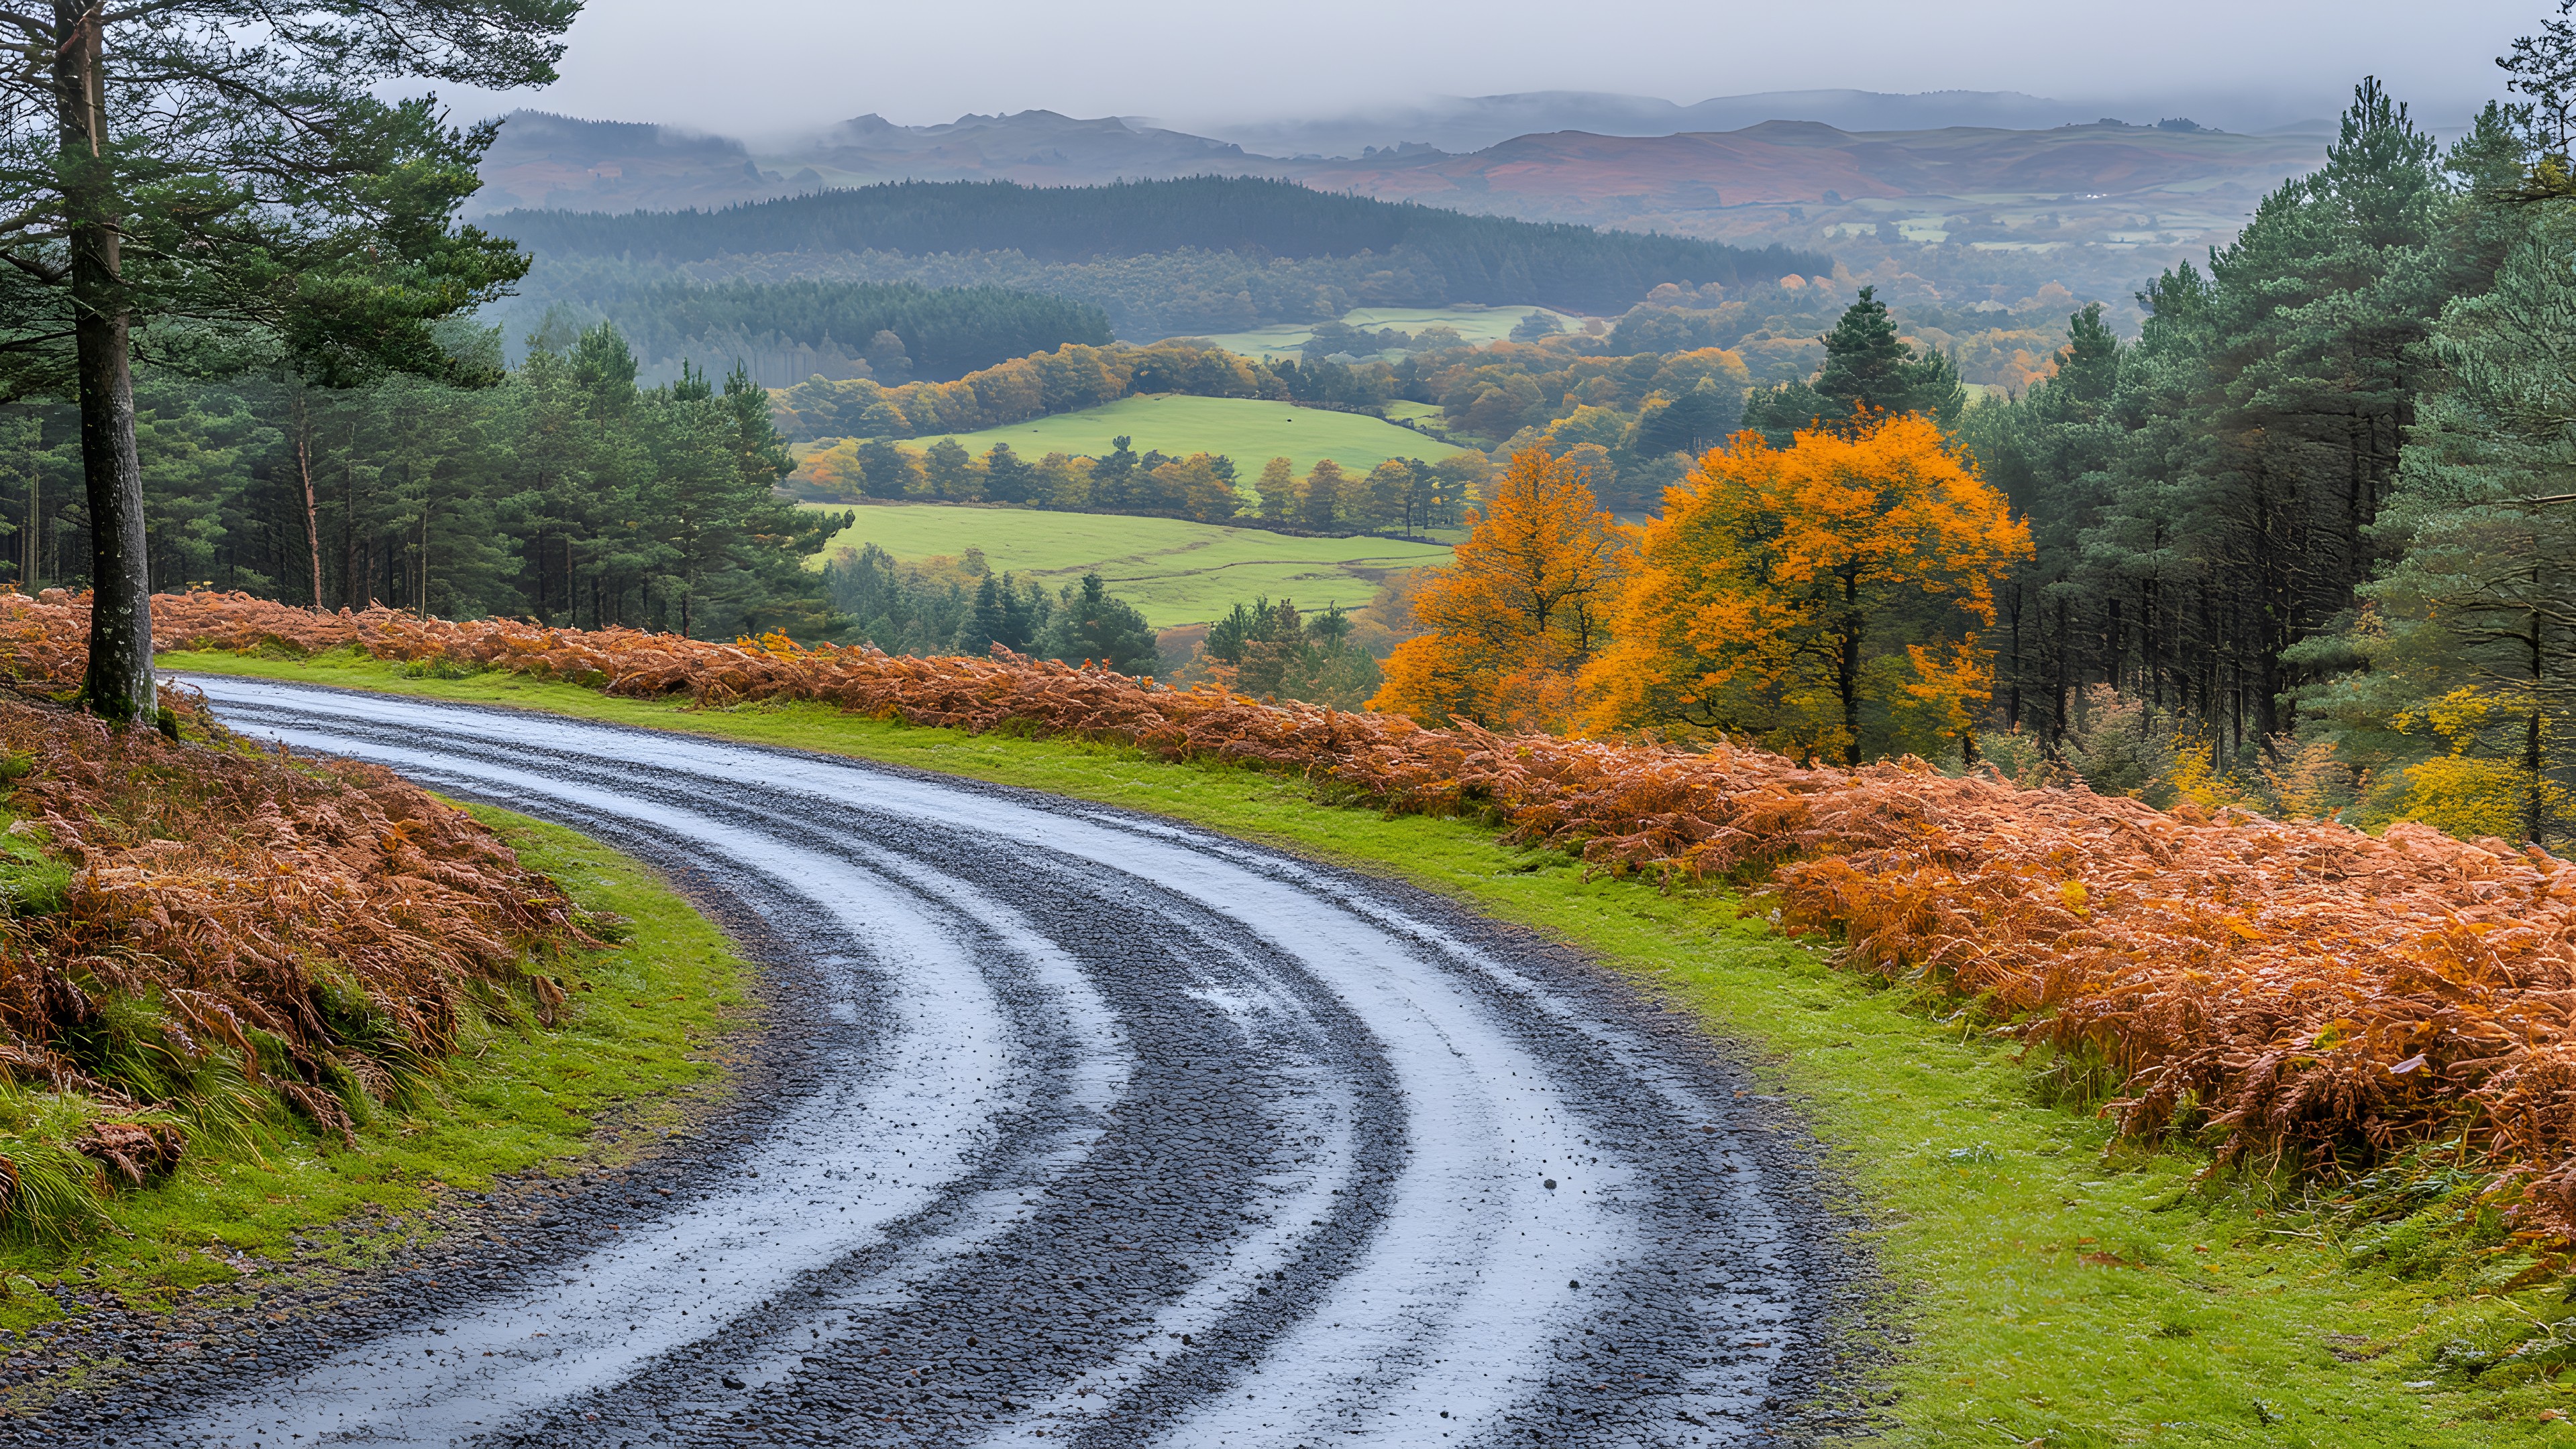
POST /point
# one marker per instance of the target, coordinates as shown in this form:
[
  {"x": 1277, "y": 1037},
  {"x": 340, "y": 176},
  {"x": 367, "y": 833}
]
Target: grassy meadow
[
  {"x": 1174, "y": 571},
  {"x": 2053, "y": 1287},
  {"x": 1249, "y": 431}
]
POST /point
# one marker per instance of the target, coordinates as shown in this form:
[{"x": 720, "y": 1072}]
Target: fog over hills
[
  {"x": 1639, "y": 164},
  {"x": 1472, "y": 123}
]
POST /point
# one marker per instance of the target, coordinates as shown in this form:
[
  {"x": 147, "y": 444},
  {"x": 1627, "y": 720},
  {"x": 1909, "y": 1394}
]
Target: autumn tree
[
  {"x": 1324, "y": 503},
  {"x": 1826, "y": 598},
  {"x": 1282, "y": 494},
  {"x": 218, "y": 185},
  {"x": 1519, "y": 612}
]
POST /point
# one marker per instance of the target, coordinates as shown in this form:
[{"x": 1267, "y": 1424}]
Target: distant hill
[
  {"x": 1464, "y": 258},
  {"x": 1577, "y": 175},
  {"x": 1459, "y": 124},
  {"x": 1037, "y": 147},
  {"x": 1636, "y": 164},
  {"x": 543, "y": 160}
]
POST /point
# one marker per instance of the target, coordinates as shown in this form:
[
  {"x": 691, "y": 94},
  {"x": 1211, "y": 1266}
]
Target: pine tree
[
  {"x": 2464, "y": 706},
  {"x": 215, "y": 183},
  {"x": 1093, "y": 626},
  {"x": 1868, "y": 371}
]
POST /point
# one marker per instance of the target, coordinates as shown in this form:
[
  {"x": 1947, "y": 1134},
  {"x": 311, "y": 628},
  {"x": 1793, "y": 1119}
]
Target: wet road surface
[{"x": 1106, "y": 1131}]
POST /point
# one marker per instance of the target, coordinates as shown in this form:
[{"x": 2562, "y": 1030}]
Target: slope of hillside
[
  {"x": 2092, "y": 181},
  {"x": 1471, "y": 123},
  {"x": 542, "y": 159},
  {"x": 1471, "y": 258},
  {"x": 1598, "y": 163}
]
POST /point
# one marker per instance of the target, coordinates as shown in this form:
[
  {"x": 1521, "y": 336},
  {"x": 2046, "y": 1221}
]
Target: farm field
[
  {"x": 1248, "y": 431},
  {"x": 1174, "y": 571},
  {"x": 1474, "y": 323}
]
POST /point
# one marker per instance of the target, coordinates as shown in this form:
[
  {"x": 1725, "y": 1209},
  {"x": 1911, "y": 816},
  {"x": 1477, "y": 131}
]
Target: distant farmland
[
  {"x": 1474, "y": 324},
  {"x": 1248, "y": 431},
  {"x": 1174, "y": 571}
]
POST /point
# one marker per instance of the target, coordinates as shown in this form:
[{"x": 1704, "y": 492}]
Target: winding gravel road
[{"x": 1106, "y": 1131}]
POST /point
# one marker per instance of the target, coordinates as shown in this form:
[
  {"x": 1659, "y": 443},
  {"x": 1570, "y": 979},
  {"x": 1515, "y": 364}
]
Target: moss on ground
[
  {"x": 2056, "y": 1287},
  {"x": 516, "y": 1096}
]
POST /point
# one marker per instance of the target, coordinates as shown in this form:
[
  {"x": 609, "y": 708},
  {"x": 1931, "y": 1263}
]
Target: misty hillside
[
  {"x": 1459, "y": 124},
  {"x": 1468, "y": 258}
]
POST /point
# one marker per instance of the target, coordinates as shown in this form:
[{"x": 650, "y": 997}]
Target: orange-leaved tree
[
  {"x": 1824, "y": 598},
  {"x": 1519, "y": 611}
]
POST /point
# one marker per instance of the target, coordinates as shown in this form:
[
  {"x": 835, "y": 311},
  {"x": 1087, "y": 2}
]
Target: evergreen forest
[
  {"x": 1457, "y": 257},
  {"x": 559, "y": 491},
  {"x": 2313, "y": 525}
]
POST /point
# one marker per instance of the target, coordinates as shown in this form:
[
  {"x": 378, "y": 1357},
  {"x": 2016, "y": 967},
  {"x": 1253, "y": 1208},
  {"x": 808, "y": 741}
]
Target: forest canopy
[
  {"x": 891, "y": 331},
  {"x": 1473, "y": 258}
]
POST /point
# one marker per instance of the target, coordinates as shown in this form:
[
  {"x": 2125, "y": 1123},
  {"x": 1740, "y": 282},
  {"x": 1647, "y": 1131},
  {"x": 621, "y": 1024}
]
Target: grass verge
[
  {"x": 2058, "y": 1288},
  {"x": 515, "y": 1096}
]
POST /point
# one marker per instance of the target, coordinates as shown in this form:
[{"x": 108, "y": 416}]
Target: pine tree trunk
[
  {"x": 312, "y": 513},
  {"x": 119, "y": 683}
]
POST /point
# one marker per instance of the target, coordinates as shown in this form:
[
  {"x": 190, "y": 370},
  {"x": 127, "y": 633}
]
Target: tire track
[{"x": 1128, "y": 1134}]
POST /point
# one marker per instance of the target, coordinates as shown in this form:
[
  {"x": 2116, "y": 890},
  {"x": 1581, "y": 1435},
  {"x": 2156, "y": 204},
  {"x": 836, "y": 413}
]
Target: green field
[
  {"x": 1476, "y": 324},
  {"x": 1174, "y": 571},
  {"x": 1251, "y": 433}
]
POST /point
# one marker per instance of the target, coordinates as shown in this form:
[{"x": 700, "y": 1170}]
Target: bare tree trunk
[
  {"x": 119, "y": 684},
  {"x": 350, "y": 597},
  {"x": 312, "y": 514}
]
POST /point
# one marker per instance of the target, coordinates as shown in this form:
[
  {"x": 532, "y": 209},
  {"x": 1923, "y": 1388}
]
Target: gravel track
[{"x": 1083, "y": 1127}]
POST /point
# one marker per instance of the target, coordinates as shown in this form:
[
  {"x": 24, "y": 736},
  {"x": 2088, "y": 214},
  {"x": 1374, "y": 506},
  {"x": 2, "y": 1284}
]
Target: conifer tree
[{"x": 212, "y": 184}]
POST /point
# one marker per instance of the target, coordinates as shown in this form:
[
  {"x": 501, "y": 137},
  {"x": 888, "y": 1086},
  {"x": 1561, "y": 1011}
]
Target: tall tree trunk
[
  {"x": 312, "y": 513},
  {"x": 1847, "y": 671},
  {"x": 350, "y": 598},
  {"x": 119, "y": 684}
]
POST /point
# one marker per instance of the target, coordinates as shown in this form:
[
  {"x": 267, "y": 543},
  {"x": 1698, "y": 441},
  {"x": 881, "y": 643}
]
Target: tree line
[
  {"x": 891, "y": 331},
  {"x": 559, "y": 491},
  {"x": 1399, "y": 495},
  {"x": 960, "y": 606}
]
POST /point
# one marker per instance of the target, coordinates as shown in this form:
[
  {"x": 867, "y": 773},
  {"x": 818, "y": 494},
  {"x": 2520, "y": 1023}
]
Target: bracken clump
[{"x": 192, "y": 929}]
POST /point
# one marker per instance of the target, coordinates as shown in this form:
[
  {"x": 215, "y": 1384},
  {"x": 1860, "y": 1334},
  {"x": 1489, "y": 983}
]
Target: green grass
[
  {"x": 1173, "y": 570},
  {"x": 1475, "y": 324},
  {"x": 1244, "y": 429},
  {"x": 2056, "y": 1288},
  {"x": 516, "y": 1096}
]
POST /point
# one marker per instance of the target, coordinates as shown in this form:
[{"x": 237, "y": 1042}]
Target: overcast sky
[{"x": 790, "y": 64}]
